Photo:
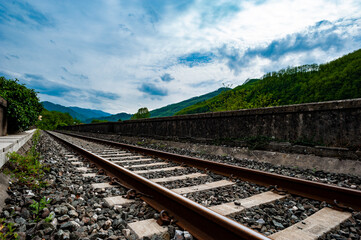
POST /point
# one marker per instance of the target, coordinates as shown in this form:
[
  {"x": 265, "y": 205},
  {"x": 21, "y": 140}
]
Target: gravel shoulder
[{"x": 75, "y": 210}]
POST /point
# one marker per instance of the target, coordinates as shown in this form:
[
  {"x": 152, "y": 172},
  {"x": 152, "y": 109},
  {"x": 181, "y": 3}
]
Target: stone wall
[
  {"x": 333, "y": 123},
  {"x": 3, "y": 119}
]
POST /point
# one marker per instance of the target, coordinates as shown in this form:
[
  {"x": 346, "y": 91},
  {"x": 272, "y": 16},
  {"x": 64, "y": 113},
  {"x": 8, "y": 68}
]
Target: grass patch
[
  {"x": 27, "y": 170},
  {"x": 37, "y": 207},
  {"x": 7, "y": 230}
]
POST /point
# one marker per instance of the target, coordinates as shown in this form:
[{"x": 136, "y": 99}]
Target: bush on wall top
[{"x": 23, "y": 104}]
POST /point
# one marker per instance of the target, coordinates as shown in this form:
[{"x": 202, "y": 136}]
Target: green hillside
[
  {"x": 90, "y": 113},
  {"x": 171, "y": 109},
  {"x": 339, "y": 79},
  {"x": 59, "y": 108},
  {"x": 166, "y": 111},
  {"x": 81, "y": 114}
]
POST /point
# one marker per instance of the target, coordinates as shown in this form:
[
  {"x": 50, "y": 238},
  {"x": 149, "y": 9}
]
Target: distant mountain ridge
[
  {"x": 166, "y": 111},
  {"x": 88, "y": 115},
  {"x": 171, "y": 109},
  {"x": 335, "y": 80},
  {"x": 81, "y": 114},
  {"x": 112, "y": 118}
]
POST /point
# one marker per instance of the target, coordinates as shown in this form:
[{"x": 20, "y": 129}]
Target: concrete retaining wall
[
  {"x": 13, "y": 143},
  {"x": 333, "y": 123},
  {"x": 3, "y": 118}
]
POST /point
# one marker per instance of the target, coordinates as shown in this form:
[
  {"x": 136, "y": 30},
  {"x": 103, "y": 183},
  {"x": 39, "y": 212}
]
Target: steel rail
[
  {"x": 305, "y": 188},
  {"x": 200, "y": 221}
]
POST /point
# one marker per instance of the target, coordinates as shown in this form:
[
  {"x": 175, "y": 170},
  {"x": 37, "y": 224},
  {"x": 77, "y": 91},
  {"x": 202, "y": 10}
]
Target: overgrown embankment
[{"x": 27, "y": 176}]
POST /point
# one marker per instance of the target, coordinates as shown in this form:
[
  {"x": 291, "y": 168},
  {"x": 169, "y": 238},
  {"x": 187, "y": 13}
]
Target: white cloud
[{"x": 120, "y": 45}]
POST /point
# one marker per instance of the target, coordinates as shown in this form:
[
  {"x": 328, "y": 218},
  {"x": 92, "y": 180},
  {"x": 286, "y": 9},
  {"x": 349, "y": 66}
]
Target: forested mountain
[
  {"x": 78, "y": 113},
  {"x": 90, "y": 113},
  {"x": 171, "y": 109},
  {"x": 339, "y": 79},
  {"x": 112, "y": 118},
  {"x": 166, "y": 111}
]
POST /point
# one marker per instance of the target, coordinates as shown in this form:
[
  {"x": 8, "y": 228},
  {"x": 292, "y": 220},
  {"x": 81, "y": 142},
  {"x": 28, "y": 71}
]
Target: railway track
[{"x": 225, "y": 198}]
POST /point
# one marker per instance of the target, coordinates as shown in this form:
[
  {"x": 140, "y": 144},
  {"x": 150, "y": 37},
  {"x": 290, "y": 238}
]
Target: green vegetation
[
  {"x": 171, "y": 109},
  {"x": 166, "y": 111},
  {"x": 23, "y": 104},
  {"x": 82, "y": 114},
  {"x": 98, "y": 121},
  {"x": 51, "y": 120},
  {"x": 37, "y": 207},
  {"x": 59, "y": 108},
  {"x": 34, "y": 143},
  {"x": 86, "y": 115},
  {"x": 142, "y": 113},
  {"x": 27, "y": 170},
  {"x": 7, "y": 230},
  {"x": 99, "y": 116},
  {"x": 339, "y": 79}
]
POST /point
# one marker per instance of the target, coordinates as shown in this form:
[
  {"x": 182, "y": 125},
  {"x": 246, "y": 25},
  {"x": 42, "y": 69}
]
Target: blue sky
[{"x": 119, "y": 56}]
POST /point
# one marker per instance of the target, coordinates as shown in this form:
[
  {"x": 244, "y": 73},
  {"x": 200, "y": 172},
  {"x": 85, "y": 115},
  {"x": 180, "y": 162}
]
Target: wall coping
[
  {"x": 3, "y": 102},
  {"x": 293, "y": 108}
]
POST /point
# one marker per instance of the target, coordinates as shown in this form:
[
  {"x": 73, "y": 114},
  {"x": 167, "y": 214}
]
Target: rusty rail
[
  {"x": 198, "y": 220},
  {"x": 314, "y": 190}
]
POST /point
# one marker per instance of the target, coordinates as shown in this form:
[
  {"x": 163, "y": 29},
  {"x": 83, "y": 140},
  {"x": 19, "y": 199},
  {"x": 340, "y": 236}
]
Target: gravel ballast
[
  {"x": 76, "y": 210},
  {"x": 80, "y": 212},
  {"x": 350, "y": 229},
  {"x": 343, "y": 180}
]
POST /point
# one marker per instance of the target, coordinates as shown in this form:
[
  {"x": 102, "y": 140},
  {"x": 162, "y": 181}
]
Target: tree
[
  {"x": 51, "y": 120},
  {"x": 142, "y": 113},
  {"x": 23, "y": 104}
]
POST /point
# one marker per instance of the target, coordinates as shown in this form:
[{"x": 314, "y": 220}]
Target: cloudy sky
[{"x": 118, "y": 56}]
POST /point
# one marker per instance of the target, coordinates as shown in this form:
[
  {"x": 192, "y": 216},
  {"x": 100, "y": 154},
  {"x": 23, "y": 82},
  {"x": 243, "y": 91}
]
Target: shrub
[
  {"x": 51, "y": 120},
  {"x": 23, "y": 104},
  {"x": 142, "y": 113}
]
